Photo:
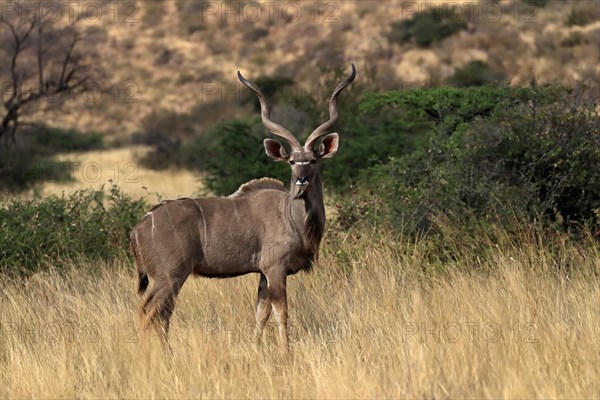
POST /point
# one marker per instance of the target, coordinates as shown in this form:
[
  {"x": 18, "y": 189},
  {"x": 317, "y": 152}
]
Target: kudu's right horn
[{"x": 273, "y": 127}]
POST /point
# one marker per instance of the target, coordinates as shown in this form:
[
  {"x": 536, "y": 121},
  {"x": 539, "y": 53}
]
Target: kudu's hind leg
[
  {"x": 143, "y": 312},
  {"x": 158, "y": 308},
  {"x": 263, "y": 307}
]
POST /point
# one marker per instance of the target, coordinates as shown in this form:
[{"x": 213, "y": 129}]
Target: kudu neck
[
  {"x": 312, "y": 198},
  {"x": 308, "y": 214}
]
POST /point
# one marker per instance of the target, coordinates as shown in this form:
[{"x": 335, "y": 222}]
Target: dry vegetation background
[
  {"x": 175, "y": 52},
  {"x": 97, "y": 169},
  {"x": 169, "y": 56},
  {"x": 376, "y": 318}
]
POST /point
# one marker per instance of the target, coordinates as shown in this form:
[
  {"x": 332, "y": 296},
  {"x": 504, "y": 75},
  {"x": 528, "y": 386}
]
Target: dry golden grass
[
  {"x": 121, "y": 166},
  {"x": 382, "y": 324}
]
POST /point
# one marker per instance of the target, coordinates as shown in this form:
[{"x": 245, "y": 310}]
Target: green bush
[
  {"x": 446, "y": 108},
  {"x": 530, "y": 156},
  {"x": 577, "y": 18},
  {"x": 371, "y": 138},
  {"x": 20, "y": 170},
  {"x": 586, "y": 14},
  {"x": 54, "y": 230},
  {"x": 574, "y": 39},
  {"x": 230, "y": 154},
  {"x": 164, "y": 132},
  {"x": 190, "y": 17},
  {"x": 475, "y": 73},
  {"x": 427, "y": 27},
  {"x": 271, "y": 86},
  {"x": 49, "y": 141},
  {"x": 29, "y": 161},
  {"x": 153, "y": 13},
  {"x": 537, "y": 3}
]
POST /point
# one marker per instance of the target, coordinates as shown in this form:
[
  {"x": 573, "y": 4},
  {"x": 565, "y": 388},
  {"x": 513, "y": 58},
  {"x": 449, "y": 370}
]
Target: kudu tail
[
  {"x": 142, "y": 276},
  {"x": 142, "y": 282}
]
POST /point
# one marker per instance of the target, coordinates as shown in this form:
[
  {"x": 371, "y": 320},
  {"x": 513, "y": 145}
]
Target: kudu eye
[{"x": 292, "y": 162}]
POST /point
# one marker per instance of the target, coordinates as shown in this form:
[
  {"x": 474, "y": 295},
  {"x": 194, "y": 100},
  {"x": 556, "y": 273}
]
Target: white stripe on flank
[
  {"x": 237, "y": 215},
  {"x": 205, "y": 233},
  {"x": 153, "y": 226}
]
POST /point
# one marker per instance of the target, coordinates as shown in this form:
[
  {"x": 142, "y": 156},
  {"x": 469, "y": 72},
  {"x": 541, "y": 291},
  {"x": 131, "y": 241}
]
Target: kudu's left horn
[{"x": 333, "y": 114}]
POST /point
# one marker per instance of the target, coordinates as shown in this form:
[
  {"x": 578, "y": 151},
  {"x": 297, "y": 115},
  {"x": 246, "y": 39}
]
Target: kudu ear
[
  {"x": 329, "y": 145},
  {"x": 275, "y": 150}
]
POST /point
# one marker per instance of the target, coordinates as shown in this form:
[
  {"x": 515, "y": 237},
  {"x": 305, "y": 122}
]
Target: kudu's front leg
[{"x": 277, "y": 293}]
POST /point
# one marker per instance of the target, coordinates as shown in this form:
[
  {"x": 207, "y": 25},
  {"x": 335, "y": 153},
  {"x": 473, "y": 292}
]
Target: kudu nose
[{"x": 302, "y": 181}]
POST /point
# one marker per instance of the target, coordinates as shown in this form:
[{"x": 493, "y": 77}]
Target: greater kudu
[{"x": 260, "y": 228}]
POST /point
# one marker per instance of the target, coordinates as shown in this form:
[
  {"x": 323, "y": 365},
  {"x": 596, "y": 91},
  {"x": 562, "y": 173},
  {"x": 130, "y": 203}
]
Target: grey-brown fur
[{"x": 261, "y": 228}]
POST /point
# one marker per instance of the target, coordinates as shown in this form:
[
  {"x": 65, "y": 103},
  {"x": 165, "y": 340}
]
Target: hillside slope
[{"x": 169, "y": 55}]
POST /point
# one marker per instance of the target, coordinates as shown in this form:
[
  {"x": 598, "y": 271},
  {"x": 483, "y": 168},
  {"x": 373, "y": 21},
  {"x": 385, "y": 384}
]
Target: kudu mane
[{"x": 258, "y": 184}]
